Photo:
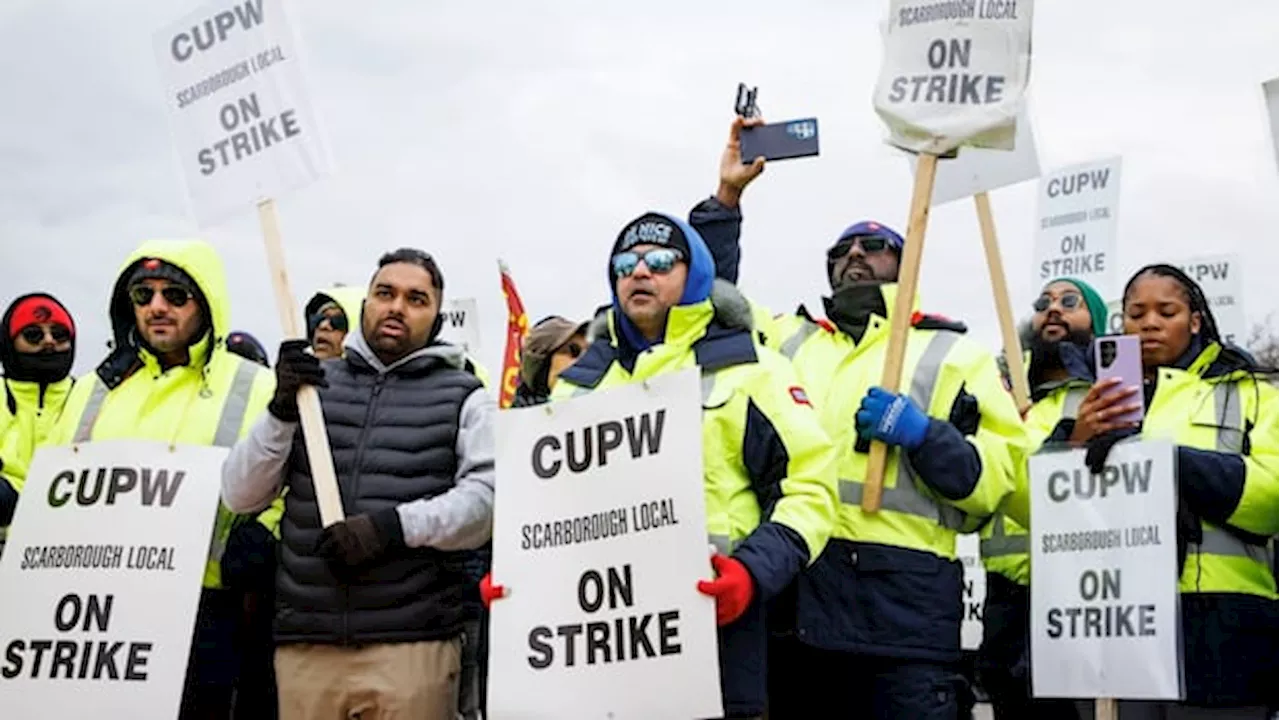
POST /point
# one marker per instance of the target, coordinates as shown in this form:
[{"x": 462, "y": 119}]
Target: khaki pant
[{"x": 395, "y": 681}]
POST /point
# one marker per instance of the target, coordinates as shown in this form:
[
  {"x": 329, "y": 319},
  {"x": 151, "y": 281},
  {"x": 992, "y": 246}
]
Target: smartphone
[
  {"x": 1120, "y": 356},
  {"x": 780, "y": 141}
]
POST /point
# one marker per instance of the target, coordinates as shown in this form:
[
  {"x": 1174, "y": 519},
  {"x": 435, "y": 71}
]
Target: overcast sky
[{"x": 534, "y": 130}]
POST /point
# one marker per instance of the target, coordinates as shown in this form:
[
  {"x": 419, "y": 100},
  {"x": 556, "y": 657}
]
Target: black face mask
[
  {"x": 851, "y": 307},
  {"x": 42, "y": 367}
]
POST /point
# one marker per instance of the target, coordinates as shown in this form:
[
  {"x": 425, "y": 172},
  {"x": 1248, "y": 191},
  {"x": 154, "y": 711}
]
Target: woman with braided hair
[{"x": 1213, "y": 401}]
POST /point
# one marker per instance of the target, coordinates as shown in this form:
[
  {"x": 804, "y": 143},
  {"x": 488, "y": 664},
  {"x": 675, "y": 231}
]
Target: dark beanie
[
  {"x": 652, "y": 229},
  {"x": 157, "y": 269}
]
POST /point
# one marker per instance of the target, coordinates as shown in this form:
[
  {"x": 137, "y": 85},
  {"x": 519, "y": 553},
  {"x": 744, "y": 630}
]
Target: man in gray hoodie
[{"x": 369, "y": 610}]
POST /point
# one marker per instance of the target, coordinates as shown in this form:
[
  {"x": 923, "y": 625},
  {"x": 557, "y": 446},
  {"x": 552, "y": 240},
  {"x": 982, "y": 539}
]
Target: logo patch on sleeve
[{"x": 799, "y": 396}]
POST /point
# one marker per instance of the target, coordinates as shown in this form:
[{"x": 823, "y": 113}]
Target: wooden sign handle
[
  {"x": 1004, "y": 311},
  {"x": 1105, "y": 709},
  {"x": 900, "y": 322},
  {"x": 313, "y": 431}
]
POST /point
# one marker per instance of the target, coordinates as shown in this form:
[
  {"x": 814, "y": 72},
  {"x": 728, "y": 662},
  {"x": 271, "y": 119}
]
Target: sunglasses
[
  {"x": 658, "y": 260},
  {"x": 1068, "y": 301},
  {"x": 869, "y": 243},
  {"x": 34, "y": 334},
  {"x": 337, "y": 322},
  {"x": 175, "y": 295}
]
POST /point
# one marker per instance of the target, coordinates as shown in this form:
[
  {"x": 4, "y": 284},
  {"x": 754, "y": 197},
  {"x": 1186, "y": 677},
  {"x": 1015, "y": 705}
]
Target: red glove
[
  {"x": 488, "y": 591},
  {"x": 732, "y": 588}
]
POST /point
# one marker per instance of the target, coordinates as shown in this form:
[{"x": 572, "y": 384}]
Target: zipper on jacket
[{"x": 355, "y": 493}]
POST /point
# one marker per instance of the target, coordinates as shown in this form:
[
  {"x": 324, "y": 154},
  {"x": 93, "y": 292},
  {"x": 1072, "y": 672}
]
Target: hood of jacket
[
  {"x": 697, "y": 289},
  {"x": 196, "y": 258},
  {"x": 349, "y": 297},
  {"x": 52, "y": 367},
  {"x": 359, "y": 353}
]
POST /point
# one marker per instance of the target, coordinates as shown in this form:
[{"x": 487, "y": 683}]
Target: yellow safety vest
[
  {"x": 838, "y": 373},
  {"x": 213, "y": 400}
]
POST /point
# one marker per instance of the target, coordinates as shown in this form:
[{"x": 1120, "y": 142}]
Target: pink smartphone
[{"x": 1120, "y": 356}]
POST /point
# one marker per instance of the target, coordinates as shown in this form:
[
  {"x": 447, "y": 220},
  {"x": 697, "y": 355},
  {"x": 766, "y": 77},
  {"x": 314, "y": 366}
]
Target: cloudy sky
[{"x": 533, "y": 131}]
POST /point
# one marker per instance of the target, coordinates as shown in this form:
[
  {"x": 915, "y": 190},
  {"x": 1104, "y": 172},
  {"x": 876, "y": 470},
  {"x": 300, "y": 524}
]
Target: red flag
[{"x": 517, "y": 326}]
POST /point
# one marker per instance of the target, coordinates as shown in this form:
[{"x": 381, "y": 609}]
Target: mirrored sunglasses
[
  {"x": 1068, "y": 301},
  {"x": 658, "y": 260}
]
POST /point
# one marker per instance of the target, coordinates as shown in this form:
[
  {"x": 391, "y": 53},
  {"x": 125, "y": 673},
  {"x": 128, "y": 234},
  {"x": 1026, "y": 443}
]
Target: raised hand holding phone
[
  {"x": 1113, "y": 403},
  {"x": 735, "y": 173}
]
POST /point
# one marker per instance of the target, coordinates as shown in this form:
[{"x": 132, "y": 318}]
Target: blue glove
[{"x": 892, "y": 419}]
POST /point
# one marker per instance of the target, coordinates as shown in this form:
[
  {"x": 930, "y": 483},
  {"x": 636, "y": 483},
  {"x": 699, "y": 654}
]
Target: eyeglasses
[
  {"x": 869, "y": 243},
  {"x": 658, "y": 260},
  {"x": 1068, "y": 301},
  {"x": 337, "y": 321},
  {"x": 175, "y": 295},
  {"x": 35, "y": 334}
]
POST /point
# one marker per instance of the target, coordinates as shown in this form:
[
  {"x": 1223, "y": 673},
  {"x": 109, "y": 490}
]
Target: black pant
[
  {"x": 807, "y": 682},
  {"x": 1004, "y": 660},
  {"x": 256, "y": 697},
  {"x": 214, "y": 663}
]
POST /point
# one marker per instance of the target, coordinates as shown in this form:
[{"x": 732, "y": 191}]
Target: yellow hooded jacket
[{"x": 212, "y": 400}]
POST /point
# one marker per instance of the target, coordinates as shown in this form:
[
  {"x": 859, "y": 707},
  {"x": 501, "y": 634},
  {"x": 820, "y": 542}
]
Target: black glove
[
  {"x": 359, "y": 540},
  {"x": 249, "y": 561},
  {"x": 295, "y": 367},
  {"x": 1099, "y": 447}
]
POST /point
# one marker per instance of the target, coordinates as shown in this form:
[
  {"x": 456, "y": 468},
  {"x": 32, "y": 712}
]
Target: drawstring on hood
[{"x": 697, "y": 286}]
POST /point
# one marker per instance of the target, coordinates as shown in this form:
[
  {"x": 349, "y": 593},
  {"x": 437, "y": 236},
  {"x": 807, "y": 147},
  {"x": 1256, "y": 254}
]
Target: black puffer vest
[{"x": 393, "y": 438}]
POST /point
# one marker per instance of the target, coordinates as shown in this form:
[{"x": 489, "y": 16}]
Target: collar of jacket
[
  {"x": 718, "y": 330},
  {"x": 29, "y": 393},
  {"x": 360, "y": 355},
  {"x": 877, "y": 324}
]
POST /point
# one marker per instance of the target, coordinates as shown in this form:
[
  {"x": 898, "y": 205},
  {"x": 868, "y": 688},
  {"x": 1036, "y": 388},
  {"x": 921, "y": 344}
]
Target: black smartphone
[
  {"x": 745, "y": 103},
  {"x": 780, "y": 141}
]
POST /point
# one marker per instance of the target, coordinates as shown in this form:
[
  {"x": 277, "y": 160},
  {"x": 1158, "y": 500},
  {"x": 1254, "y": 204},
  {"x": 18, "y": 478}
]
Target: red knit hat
[{"x": 39, "y": 309}]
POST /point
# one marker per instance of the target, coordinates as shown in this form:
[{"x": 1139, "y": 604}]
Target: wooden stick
[
  {"x": 900, "y": 323},
  {"x": 1105, "y": 709},
  {"x": 1004, "y": 311},
  {"x": 319, "y": 456}
]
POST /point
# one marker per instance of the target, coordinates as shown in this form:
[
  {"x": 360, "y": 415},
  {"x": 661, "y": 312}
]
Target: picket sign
[
  {"x": 947, "y": 78},
  {"x": 600, "y": 555},
  {"x": 100, "y": 581},
  {"x": 1004, "y": 310},
  {"x": 1104, "y": 579},
  {"x": 246, "y": 133}
]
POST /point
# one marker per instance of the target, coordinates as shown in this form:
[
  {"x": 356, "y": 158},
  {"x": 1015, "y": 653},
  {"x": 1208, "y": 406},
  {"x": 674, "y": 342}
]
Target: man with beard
[
  {"x": 37, "y": 348},
  {"x": 169, "y": 377},
  {"x": 1068, "y": 315},
  {"x": 876, "y": 618},
  {"x": 370, "y": 612}
]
